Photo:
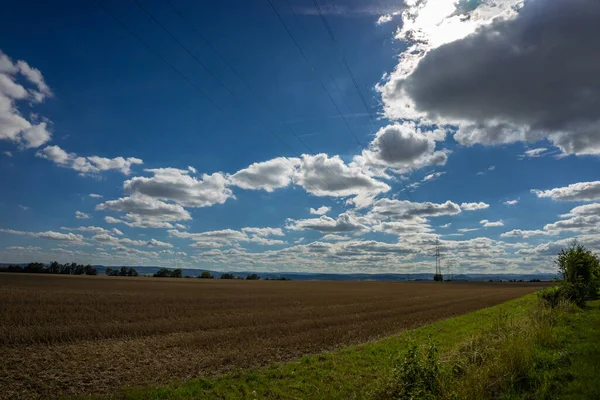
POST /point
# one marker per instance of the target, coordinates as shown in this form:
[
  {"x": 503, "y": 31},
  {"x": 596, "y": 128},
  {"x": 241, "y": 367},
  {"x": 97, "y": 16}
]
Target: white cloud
[
  {"x": 7, "y": 153},
  {"x": 13, "y": 126},
  {"x": 428, "y": 178},
  {"x": 321, "y": 175},
  {"x": 178, "y": 186},
  {"x": 158, "y": 243},
  {"x": 230, "y": 237},
  {"x": 81, "y": 215},
  {"x": 581, "y": 191},
  {"x": 87, "y": 165},
  {"x": 534, "y": 153},
  {"x": 587, "y": 209},
  {"x": 320, "y": 211},
  {"x": 474, "y": 206},
  {"x": 384, "y": 19},
  {"x": 403, "y": 147},
  {"x": 507, "y": 105},
  {"x": 525, "y": 234},
  {"x": 446, "y": 225},
  {"x": 511, "y": 202},
  {"x": 491, "y": 224},
  {"x": 50, "y": 235},
  {"x": 580, "y": 223},
  {"x": 145, "y": 212},
  {"x": 94, "y": 229},
  {"x": 344, "y": 223},
  {"x": 95, "y": 196},
  {"x": 406, "y": 210},
  {"x": 269, "y": 175}
]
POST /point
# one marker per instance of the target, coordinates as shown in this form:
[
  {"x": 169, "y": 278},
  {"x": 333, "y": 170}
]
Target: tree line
[{"x": 52, "y": 268}]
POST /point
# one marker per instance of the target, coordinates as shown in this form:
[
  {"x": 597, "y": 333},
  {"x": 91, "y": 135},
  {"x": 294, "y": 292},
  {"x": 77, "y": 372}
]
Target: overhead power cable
[
  {"x": 307, "y": 61},
  {"x": 189, "y": 81}
]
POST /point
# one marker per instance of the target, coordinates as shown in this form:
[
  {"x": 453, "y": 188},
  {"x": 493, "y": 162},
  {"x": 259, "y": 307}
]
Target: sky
[{"x": 300, "y": 135}]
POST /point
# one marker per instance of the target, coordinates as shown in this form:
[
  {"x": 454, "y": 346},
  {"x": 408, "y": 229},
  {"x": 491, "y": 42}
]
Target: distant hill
[{"x": 309, "y": 276}]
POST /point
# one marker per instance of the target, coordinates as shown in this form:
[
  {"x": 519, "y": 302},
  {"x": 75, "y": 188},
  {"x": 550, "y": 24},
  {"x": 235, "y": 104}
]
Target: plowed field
[{"x": 71, "y": 335}]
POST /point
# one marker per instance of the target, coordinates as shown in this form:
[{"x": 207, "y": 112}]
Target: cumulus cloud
[
  {"x": 87, "y": 165},
  {"x": 95, "y": 230},
  {"x": 50, "y": 235},
  {"x": 534, "y": 153},
  {"x": 491, "y": 224},
  {"x": 343, "y": 223},
  {"x": 145, "y": 212},
  {"x": 516, "y": 62},
  {"x": 474, "y": 206},
  {"x": 81, "y": 215},
  {"x": 231, "y": 237},
  {"x": 511, "y": 202},
  {"x": 321, "y": 175},
  {"x": 13, "y": 125},
  {"x": 384, "y": 19},
  {"x": 525, "y": 234},
  {"x": 158, "y": 243},
  {"x": 403, "y": 146},
  {"x": 581, "y": 191},
  {"x": 178, "y": 186},
  {"x": 581, "y": 223},
  {"x": 404, "y": 209},
  {"x": 95, "y": 196},
  {"x": 320, "y": 211},
  {"x": 269, "y": 175},
  {"x": 585, "y": 210}
]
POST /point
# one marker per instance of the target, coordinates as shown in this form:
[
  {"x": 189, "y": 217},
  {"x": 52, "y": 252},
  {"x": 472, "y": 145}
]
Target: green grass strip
[{"x": 349, "y": 373}]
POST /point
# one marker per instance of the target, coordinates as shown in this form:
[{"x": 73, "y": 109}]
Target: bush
[
  {"x": 552, "y": 296},
  {"x": 580, "y": 271},
  {"x": 416, "y": 374}
]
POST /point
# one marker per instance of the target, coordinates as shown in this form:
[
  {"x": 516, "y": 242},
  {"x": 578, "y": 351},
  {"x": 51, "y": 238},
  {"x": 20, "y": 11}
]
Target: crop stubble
[{"x": 68, "y": 335}]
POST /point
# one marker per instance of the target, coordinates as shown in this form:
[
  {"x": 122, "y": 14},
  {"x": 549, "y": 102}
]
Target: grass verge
[{"x": 514, "y": 350}]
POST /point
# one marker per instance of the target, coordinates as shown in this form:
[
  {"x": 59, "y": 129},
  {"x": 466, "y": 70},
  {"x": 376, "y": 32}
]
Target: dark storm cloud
[{"x": 535, "y": 75}]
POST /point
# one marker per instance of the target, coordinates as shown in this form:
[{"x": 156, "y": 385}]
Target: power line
[
  {"x": 192, "y": 83},
  {"x": 343, "y": 58},
  {"x": 314, "y": 49},
  {"x": 207, "y": 42},
  {"x": 304, "y": 56},
  {"x": 164, "y": 60},
  {"x": 237, "y": 74},
  {"x": 355, "y": 83}
]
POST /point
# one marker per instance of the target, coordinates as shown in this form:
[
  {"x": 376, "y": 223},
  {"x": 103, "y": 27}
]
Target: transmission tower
[{"x": 438, "y": 263}]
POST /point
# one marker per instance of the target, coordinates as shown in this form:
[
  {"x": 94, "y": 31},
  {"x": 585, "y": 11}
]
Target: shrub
[
  {"x": 416, "y": 374},
  {"x": 580, "y": 271}
]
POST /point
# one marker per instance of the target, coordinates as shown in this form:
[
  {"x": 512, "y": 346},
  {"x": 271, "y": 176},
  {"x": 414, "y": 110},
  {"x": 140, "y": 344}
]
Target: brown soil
[{"x": 72, "y": 335}]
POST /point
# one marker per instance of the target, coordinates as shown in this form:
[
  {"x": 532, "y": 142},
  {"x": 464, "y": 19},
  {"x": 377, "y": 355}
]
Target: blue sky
[{"x": 128, "y": 136}]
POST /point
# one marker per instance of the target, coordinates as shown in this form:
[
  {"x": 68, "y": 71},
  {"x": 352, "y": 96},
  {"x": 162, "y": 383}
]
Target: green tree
[
  {"x": 206, "y": 275},
  {"x": 132, "y": 272},
  {"x": 252, "y": 277},
  {"x": 438, "y": 277},
  {"x": 89, "y": 270},
  {"x": 226, "y": 276},
  {"x": 176, "y": 273},
  {"x": 162, "y": 273},
  {"x": 580, "y": 271}
]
